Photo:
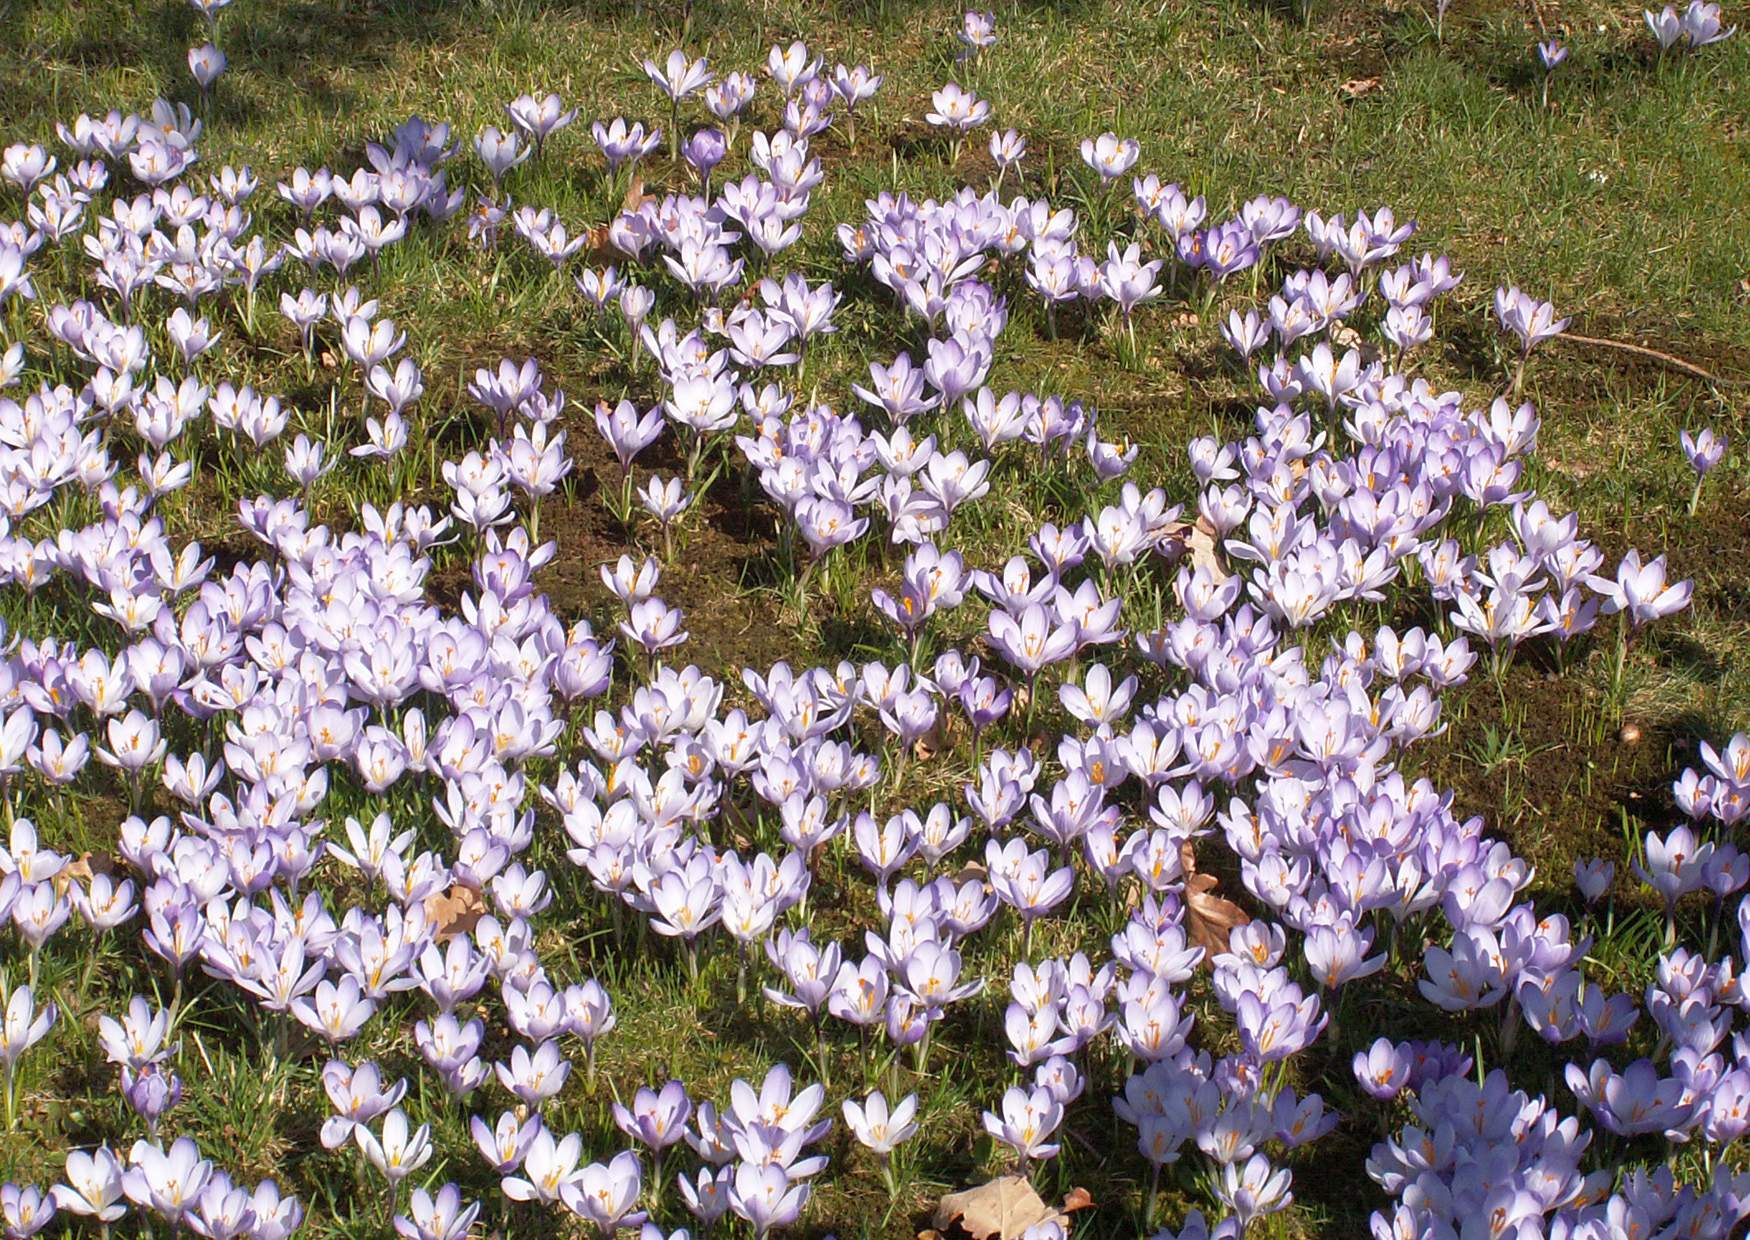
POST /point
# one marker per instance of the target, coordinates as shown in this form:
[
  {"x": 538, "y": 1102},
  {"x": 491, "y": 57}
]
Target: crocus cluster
[{"x": 345, "y": 784}]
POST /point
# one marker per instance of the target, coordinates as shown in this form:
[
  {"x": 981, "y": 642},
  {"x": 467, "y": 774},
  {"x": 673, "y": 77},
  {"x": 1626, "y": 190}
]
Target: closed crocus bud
[
  {"x": 1703, "y": 450},
  {"x": 705, "y": 150},
  {"x": 1593, "y": 877},
  {"x": 152, "y": 1092}
]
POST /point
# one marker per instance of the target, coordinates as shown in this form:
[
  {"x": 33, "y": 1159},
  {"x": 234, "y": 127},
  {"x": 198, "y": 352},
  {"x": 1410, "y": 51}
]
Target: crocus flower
[
  {"x": 169, "y": 1183},
  {"x": 1030, "y": 641},
  {"x": 956, "y": 109},
  {"x": 25, "y": 1211},
  {"x": 876, "y": 1127},
  {"x": 1383, "y": 1070},
  {"x": 978, "y": 30},
  {"x": 1639, "y": 590},
  {"x": 152, "y": 1091},
  {"x": 657, "y": 1119},
  {"x": 23, "y": 1027},
  {"x": 1703, "y": 451},
  {"x": 500, "y": 152},
  {"x": 764, "y": 1196},
  {"x": 704, "y": 151},
  {"x": 1701, "y": 22},
  {"x": 606, "y": 1195},
  {"x": 1593, "y": 877},
  {"x": 443, "y": 1217},
  {"x": 549, "y": 1168},
  {"x": 400, "y": 1151},
  {"x": 679, "y": 76},
  {"x": 1109, "y": 155},
  {"x": 206, "y": 63},
  {"x": 1027, "y": 1121},
  {"x": 93, "y": 1186},
  {"x": 1256, "y": 1189},
  {"x": 1530, "y": 320},
  {"x": 539, "y": 118},
  {"x": 1007, "y": 148}
]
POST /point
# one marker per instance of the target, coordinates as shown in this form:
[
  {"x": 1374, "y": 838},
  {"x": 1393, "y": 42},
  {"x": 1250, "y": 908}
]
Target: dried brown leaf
[
  {"x": 1204, "y": 553},
  {"x": 1354, "y": 88},
  {"x": 81, "y": 869},
  {"x": 1209, "y": 917},
  {"x": 454, "y": 911},
  {"x": 971, "y": 872},
  {"x": 1005, "y": 1207},
  {"x": 598, "y": 242},
  {"x": 635, "y": 195},
  {"x": 1198, "y": 540},
  {"x": 1078, "y": 1199}
]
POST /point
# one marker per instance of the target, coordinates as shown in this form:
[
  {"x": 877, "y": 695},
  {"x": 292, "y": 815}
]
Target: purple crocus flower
[
  {"x": 25, "y": 1211},
  {"x": 1383, "y": 1070},
  {"x": 1530, "y": 320},
  {"x": 539, "y": 118},
  {"x": 1027, "y": 1120},
  {"x": 606, "y": 1195},
  {"x": 1109, "y": 155},
  {"x": 152, "y": 1092},
  {"x": 206, "y": 63},
  {"x": 1639, "y": 590},
  {"x": 766, "y": 1198},
  {"x": 656, "y": 1119},
  {"x": 169, "y": 1183},
  {"x": 443, "y": 1217}
]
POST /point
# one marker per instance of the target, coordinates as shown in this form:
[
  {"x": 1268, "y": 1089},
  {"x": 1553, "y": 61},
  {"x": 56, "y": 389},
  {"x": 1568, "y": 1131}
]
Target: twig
[{"x": 1641, "y": 350}]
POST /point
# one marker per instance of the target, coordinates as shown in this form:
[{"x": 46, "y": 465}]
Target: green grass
[{"x": 1622, "y": 202}]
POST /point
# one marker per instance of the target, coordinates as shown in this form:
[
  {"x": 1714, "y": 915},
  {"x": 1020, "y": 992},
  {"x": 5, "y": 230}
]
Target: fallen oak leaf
[
  {"x": 932, "y": 742},
  {"x": 1208, "y": 917},
  {"x": 1204, "y": 554},
  {"x": 1198, "y": 539},
  {"x": 599, "y": 241},
  {"x": 635, "y": 196},
  {"x": 82, "y": 869},
  {"x": 971, "y": 872},
  {"x": 454, "y": 911},
  {"x": 1005, "y": 1208}
]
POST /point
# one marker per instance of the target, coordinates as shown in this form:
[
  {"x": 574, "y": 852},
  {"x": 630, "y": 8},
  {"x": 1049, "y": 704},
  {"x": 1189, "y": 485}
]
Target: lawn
[{"x": 1611, "y": 187}]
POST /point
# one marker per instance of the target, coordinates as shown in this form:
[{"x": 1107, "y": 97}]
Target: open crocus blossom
[
  {"x": 958, "y": 109},
  {"x": 876, "y": 1126}
]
